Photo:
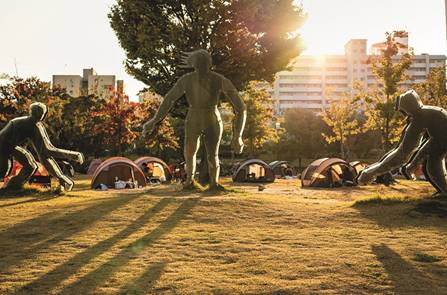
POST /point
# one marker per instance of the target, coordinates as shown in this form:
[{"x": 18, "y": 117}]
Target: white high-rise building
[
  {"x": 315, "y": 79},
  {"x": 89, "y": 83}
]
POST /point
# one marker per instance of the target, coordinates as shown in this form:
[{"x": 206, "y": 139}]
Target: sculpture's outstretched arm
[
  {"x": 396, "y": 158},
  {"x": 171, "y": 97},
  {"x": 240, "y": 113},
  {"x": 46, "y": 149}
]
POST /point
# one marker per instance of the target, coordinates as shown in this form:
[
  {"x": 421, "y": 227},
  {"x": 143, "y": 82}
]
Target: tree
[
  {"x": 248, "y": 40},
  {"x": 258, "y": 127},
  {"x": 119, "y": 120},
  {"x": 433, "y": 90},
  {"x": 390, "y": 70},
  {"x": 302, "y": 136},
  {"x": 79, "y": 121},
  {"x": 340, "y": 116}
]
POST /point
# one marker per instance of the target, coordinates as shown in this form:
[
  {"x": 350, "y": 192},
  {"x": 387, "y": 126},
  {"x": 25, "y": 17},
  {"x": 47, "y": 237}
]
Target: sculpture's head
[
  {"x": 38, "y": 111},
  {"x": 409, "y": 103},
  {"x": 200, "y": 60}
]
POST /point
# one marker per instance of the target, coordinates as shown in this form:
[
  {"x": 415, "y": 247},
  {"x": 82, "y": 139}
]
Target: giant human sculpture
[
  {"x": 30, "y": 129},
  {"x": 424, "y": 139},
  {"x": 203, "y": 89}
]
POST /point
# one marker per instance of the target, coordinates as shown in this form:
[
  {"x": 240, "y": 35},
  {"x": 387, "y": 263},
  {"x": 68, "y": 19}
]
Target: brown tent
[
  {"x": 282, "y": 169},
  {"x": 328, "y": 172},
  {"x": 253, "y": 170},
  {"x": 358, "y": 166},
  {"x": 157, "y": 167},
  {"x": 117, "y": 168},
  {"x": 94, "y": 164}
]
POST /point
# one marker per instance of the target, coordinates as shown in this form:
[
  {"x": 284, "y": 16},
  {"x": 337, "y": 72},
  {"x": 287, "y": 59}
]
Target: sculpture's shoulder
[{"x": 217, "y": 76}]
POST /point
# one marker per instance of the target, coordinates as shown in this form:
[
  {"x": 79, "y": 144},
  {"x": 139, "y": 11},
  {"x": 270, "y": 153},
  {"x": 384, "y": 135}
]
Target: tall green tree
[
  {"x": 79, "y": 121},
  {"x": 340, "y": 116},
  {"x": 302, "y": 136},
  {"x": 390, "y": 71},
  {"x": 433, "y": 90},
  {"x": 248, "y": 40},
  {"x": 259, "y": 127}
]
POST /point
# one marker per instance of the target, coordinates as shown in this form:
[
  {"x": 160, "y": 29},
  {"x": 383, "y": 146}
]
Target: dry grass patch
[{"x": 284, "y": 240}]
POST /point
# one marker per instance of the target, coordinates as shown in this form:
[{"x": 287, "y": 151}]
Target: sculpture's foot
[
  {"x": 363, "y": 178},
  {"x": 66, "y": 185},
  {"x": 216, "y": 188},
  {"x": 192, "y": 186}
]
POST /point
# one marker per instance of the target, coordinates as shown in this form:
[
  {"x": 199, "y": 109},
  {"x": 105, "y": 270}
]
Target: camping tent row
[
  {"x": 331, "y": 172},
  {"x": 255, "y": 170},
  {"x": 142, "y": 170}
]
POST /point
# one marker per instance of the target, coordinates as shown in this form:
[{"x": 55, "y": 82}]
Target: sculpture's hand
[
  {"x": 365, "y": 177},
  {"x": 237, "y": 145},
  {"x": 148, "y": 127},
  {"x": 80, "y": 158}
]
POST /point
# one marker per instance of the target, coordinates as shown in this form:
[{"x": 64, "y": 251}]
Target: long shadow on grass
[
  {"x": 47, "y": 282},
  {"x": 405, "y": 212},
  {"x": 25, "y": 240},
  {"x": 146, "y": 281},
  {"x": 405, "y": 277},
  {"x": 90, "y": 281}
]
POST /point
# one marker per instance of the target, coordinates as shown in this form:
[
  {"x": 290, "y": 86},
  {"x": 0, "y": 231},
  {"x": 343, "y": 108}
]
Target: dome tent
[
  {"x": 328, "y": 172},
  {"x": 94, "y": 164},
  {"x": 282, "y": 168},
  {"x": 159, "y": 169},
  {"x": 253, "y": 170},
  {"x": 358, "y": 166},
  {"x": 117, "y": 168}
]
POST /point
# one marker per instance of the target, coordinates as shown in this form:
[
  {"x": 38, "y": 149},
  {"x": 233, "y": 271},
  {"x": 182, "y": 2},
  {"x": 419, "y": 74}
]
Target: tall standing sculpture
[
  {"x": 203, "y": 89},
  {"x": 423, "y": 140},
  {"x": 22, "y": 130}
]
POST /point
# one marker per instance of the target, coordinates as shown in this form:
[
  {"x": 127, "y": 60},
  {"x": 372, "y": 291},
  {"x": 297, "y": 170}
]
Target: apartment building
[
  {"x": 315, "y": 79},
  {"x": 90, "y": 83}
]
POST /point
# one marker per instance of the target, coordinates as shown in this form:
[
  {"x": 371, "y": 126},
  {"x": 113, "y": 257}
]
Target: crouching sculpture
[
  {"x": 30, "y": 128},
  {"x": 423, "y": 140},
  {"x": 203, "y": 89}
]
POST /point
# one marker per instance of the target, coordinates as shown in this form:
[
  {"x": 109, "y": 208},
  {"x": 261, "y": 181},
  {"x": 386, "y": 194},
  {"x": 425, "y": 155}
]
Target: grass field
[{"x": 284, "y": 240}]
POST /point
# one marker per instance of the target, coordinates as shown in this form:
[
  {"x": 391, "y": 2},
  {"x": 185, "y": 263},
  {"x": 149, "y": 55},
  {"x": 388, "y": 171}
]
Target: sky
[{"x": 46, "y": 37}]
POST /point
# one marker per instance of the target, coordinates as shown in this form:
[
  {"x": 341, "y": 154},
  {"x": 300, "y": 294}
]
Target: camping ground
[{"x": 283, "y": 240}]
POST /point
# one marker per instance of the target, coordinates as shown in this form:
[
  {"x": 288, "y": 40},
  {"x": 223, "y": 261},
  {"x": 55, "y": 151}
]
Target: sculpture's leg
[
  {"x": 54, "y": 170},
  {"x": 5, "y": 165},
  {"x": 212, "y": 141},
  {"x": 192, "y": 141},
  {"x": 26, "y": 159},
  {"x": 436, "y": 170},
  {"x": 416, "y": 159}
]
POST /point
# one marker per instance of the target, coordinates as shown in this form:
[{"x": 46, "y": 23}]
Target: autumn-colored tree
[
  {"x": 340, "y": 116},
  {"x": 119, "y": 119},
  {"x": 433, "y": 91},
  {"x": 164, "y": 136},
  {"x": 259, "y": 127},
  {"x": 390, "y": 71}
]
